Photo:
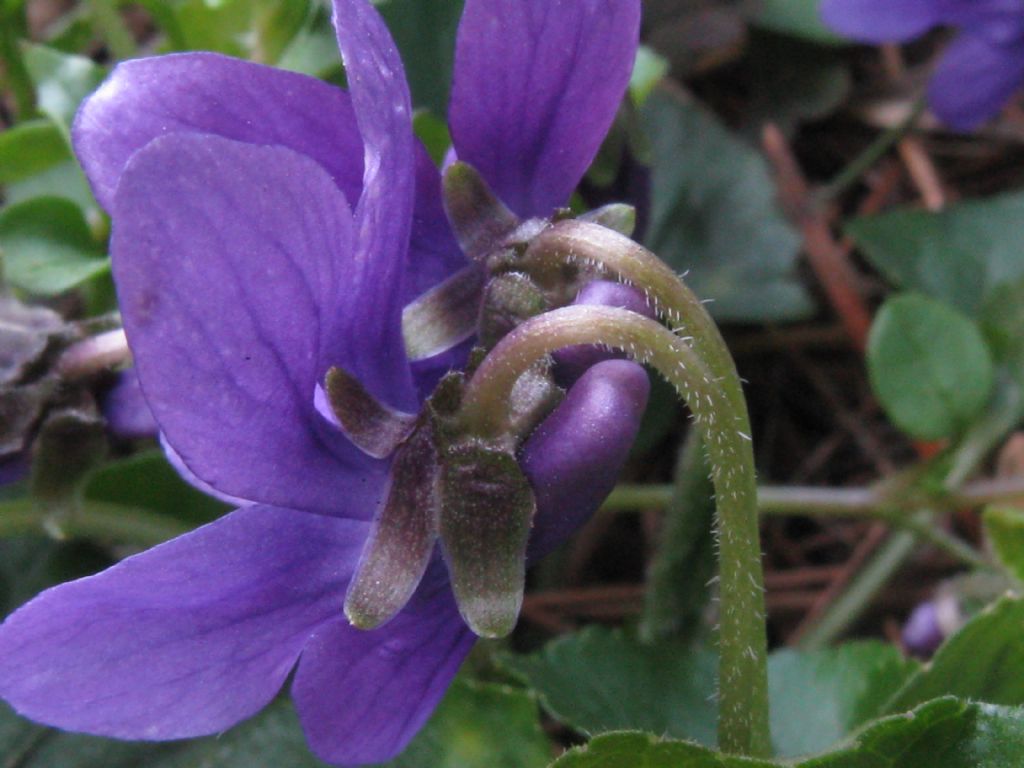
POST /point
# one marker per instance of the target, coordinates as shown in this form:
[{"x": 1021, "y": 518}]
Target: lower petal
[
  {"x": 974, "y": 79},
  {"x": 185, "y": 639},
  {"x": 362, "y": 695}
]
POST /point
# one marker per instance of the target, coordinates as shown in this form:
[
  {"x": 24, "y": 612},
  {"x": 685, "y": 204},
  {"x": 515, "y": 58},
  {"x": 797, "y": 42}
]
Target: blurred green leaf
[
  {"x": 47, "y": 246},
  {"x": 314, "y": 49},
  {"x": 1005, "y": 529},
  {"x": 714, "y": 215},
  {"x": 480, "y": 725},
  {"x": 147, "y": 480},
  {"x": 64, "y": 180},
  {"x": 957, "y": 255},
  {"x": 31, "y": 147},
  {"x": 982, "y": 661},
  {"x": 62, "y": 80},
  {"x": 799, "y": 18},
  {"x": 948, "y": 732},
  {"x": 260, "y": 30},
  {"x": 425, "y": 35},
  {"x": 1002, "y": 322},
  {"x": 819, "y": 697},
  {"x": 929, "y": 366},
  {"x": 433, "y": 132}
]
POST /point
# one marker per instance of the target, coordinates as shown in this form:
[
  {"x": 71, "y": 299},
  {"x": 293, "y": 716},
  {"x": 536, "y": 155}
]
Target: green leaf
[
  {"x": 982, "y": 661},
  {"x": 645, "y": 750},
  {"x": 799, "y": 18},
  {"x": 957, "y": 255},
  {"x": 713, "y": 214},
  {"x": 261, "y": 30},
  {"x": 480, "y": 725},
  {"x": 31, "y": 147},
  {"x": 147, "y": 480},
  {"x": 47, "y": 246},
  {"x": 599, "y": 680},
  {"x": 946, "y": 733},
  {"x": 929, "y": 366},
  {"x": 64, "y": 180},
  {"x": 1002, "y": 322},
  {"x": 1004, "y": 527},
  {"x": 62, "y": 80},
  {"x": 314, "y": 49},
  {"x": 819, "y": 697},
  {"x": 425, "y": 35}
]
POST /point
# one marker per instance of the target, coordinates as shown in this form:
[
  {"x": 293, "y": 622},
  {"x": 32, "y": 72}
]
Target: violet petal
[
  {"x": 974, "y": 79},
  {"x": 212, "y": 94},
  {"x": 881, "y": 21},
  {"x": 363, "y": 695},
  {"x": 573, "y": 458},
  {"x": 224, "y": 255},
  {"x": 370, "y": 338},
  {"x": 536, "y": 86},
  {"x": 185, "y": 639}
]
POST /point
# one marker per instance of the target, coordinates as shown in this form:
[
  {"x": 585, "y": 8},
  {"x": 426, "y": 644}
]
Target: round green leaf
[{"x": 929, "y": 366}]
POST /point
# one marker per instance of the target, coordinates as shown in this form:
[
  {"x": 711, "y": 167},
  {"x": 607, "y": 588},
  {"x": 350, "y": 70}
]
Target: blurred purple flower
[
  {"x": 981, "y": 69},
  {"x": 243, "y": 275}
]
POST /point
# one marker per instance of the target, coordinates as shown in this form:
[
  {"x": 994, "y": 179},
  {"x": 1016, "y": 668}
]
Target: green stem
[
  {"x": 93, "y": 519},
  {"x": 743, "y": 686},
  {"x": 583, "y": 243},
  {"x": 871, "y": 155},
  {"x": 109, "y": 25},
  {"x": 829, "y": 502},
  {"x": 16, "y": 75}
]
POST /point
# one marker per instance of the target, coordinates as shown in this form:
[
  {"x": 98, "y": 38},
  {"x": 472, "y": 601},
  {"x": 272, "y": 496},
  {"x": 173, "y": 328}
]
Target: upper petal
[
  {"x": 226, "y": 257},
  {"x": 974, "y": 79},
  {"x": 185, "y": 639},
  {"x": 573, "y": 458},
  {"x": 362, "y": 695},
  {"x": 535, "y": 89},
  {"x": 212, "y": 94},
  {"x": 380, "y": 96},
  {"x": 881, "y": 21}
]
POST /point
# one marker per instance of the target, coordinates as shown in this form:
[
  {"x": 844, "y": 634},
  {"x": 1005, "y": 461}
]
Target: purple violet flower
[
  {"x": 267, "y": 227},
  {"x": 981, "y": 69}
]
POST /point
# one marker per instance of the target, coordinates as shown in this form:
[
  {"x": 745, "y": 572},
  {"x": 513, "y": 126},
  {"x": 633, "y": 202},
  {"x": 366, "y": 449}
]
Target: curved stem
[
  {"x": 94, "y": 354},
  {"x": 743, "y": 689},
  {"x": 580, "y": 242}
]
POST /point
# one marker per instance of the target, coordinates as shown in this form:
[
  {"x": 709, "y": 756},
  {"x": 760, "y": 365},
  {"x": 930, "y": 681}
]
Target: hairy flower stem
[
  {"x": 585, "y": 244},
  {"x": 743, "y": 690}
]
